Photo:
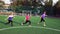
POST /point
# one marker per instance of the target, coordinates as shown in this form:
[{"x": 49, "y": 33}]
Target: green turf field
[{"x": 53, "y": 26}]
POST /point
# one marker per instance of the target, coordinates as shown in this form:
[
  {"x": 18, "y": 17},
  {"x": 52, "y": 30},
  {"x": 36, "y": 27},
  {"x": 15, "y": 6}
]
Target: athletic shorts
[
  {"x": 27, "y": 20},
  {"x": 10, "y": 20},
  {"x": 42, "y": 20}
]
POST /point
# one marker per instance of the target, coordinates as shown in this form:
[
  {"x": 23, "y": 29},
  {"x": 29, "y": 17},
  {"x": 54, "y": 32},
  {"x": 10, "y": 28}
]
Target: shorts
[
  {"x": 10, "y": 20},
  {"x": 27, "y": 20},
  {"x": 42, "y": 20}
]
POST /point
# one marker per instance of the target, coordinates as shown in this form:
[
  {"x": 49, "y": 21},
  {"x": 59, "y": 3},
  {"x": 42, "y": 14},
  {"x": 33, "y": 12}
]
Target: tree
[
  {"x": 57, "y": 9},
  {"x": 58, "y": 4},
  {"x": 49, "y": 7},
  {"x": 1, "y": 4},
  {"x": 48, "y": 3},
  {"x": 15, "y": 4}
]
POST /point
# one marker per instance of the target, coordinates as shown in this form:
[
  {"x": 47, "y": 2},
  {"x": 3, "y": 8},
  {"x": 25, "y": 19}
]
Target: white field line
[{"x": 29, "y": 27}]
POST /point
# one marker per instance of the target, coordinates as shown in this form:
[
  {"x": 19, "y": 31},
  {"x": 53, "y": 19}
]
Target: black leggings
[
  {"x": 10, "y": 21},
  {"x": 27, "y": 22},
  {"x": 42, "y": 20}
]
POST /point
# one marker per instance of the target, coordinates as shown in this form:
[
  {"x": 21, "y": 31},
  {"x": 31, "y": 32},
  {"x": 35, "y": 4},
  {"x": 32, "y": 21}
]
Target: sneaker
[
  {"x": 38, "y": 23},
  {"x": 44, "y": 25},
  {"x": 21, "y": 24},
  {"x": 29, "y": 25}
]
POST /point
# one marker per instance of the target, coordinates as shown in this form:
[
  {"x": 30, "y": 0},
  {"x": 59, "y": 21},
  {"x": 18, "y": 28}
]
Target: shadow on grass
[
  {"x": 2, "y": 22},
  {"x": 13, "y": 22},
  {"x": 16, "y": 22},
  {"x": 19, "y": 22}
]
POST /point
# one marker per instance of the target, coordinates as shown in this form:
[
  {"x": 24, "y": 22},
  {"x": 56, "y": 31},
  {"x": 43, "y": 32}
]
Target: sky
[
  {"x": 8, "y": 1},
  {"x": 54, "y": 2}
]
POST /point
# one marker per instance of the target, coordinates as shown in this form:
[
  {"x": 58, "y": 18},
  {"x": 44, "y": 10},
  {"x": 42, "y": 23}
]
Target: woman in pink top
[{"x": 27, "y": 20}]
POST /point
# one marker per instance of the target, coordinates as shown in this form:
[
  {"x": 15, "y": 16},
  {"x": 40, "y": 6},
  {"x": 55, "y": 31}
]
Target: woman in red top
[{"x": 27, "y": 20}]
